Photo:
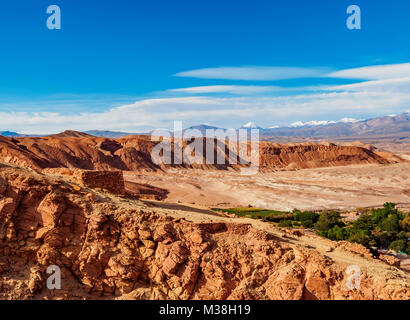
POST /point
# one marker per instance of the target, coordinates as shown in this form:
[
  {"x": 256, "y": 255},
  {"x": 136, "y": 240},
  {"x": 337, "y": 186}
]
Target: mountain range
[
  {"x": 377, "y": 126},
  {"x": 393, "y": 124}
]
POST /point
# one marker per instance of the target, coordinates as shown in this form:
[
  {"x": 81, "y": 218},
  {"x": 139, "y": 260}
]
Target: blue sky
[{"x": 137, "y": 65}]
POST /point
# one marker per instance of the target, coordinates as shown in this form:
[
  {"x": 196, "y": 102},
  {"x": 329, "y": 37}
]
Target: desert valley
[{"x": 122, "y": 227}]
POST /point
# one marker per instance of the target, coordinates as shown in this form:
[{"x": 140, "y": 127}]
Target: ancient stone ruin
[{"x": 111, "y": 181}]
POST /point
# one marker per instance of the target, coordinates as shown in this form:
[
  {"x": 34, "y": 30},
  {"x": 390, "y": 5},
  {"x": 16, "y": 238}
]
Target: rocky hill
[
  {"x": 113, "y": 248},
  {"x": 72, "y": 149}
]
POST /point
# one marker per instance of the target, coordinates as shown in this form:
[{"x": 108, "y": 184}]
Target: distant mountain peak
[
  {"x": 251, "y": 125},
  {"x": 9, "y": 134},
  {"x": 72, "y": 134},
  {"x": 314, "y": 123},
  {"x": 203, "y": 126},
  {"x": 108, "y": 134}
]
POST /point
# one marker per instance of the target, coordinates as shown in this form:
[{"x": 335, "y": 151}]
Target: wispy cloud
[
  {"x": 388, "y": 93},
  {"x": 388, "y": 85},
  {"x": 232, "y": 89},
  {"x": 379, "y": 72},
  {"x": 267, "y": 73},
  {"x": 148, "y": 114},
  {"x": 255, "y": 73}
]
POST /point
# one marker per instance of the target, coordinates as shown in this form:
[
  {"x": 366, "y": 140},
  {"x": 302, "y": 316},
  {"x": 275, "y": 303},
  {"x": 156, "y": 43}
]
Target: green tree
[
  {"x": 328, "y": 220},
  {"x": 305, "y": 215},
  {"x": 382, "y": 213},
  {"x": 364, "y": 222},
  {"x": 382, "y": 238},
  {"x": 405, "y": 223},
  {"x": 307, "y": 223},
  {"x": 390, "y": 224},
  {"x": 359, "y": 236},
  {"x": 390, "y": 206},
  {"x": 336, "y": 233},
  {"x": 285, "y": 224},
  {"x": 398, "y": 245}
]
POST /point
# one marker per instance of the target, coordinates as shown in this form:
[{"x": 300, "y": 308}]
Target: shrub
[
  {"x": 359, "y": 236},
  {"x": 285, "y": 224},
  {"x": 382, "y": 238},
  {"x": 398, "y": 245},
  {"x": 307, "y": 223},
  {"x": 305, "y": 215},
  {"x": 401, "y": 235}
]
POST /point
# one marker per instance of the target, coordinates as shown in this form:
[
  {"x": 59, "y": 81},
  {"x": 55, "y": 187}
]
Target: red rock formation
[
  {"x": 308, "y": 155},
  {"x": 106, "y": 250},
  {"x": 82, "y": 151}
]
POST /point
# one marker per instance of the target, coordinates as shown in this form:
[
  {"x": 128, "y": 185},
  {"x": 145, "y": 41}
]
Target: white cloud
[
  {"x": 228, "y": 112},
  {"x": 266, "y": 73},
  {"x": 379, "y": 72},
  {"x": 358, "y": 100},
  {"x": 388, "y": 85},
  {"x": 256, "y": 73},
  {"x": 232, "y": 89}
]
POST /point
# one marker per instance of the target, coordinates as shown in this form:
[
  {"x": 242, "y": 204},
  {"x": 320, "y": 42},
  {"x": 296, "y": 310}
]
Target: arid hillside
[
  {"x": 78, "y": 150},
  {"x": 110, "y": 247}
]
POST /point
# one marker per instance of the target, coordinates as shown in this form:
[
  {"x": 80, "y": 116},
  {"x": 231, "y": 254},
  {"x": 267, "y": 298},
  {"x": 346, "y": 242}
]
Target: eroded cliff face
[
  {"x": 309, "y": 155},
  {"x": 108, "y": 250},
  {"x": 134, "y": 153}
]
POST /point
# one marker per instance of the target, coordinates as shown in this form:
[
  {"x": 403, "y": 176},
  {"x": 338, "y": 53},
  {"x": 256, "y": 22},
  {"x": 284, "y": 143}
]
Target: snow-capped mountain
[
  {"x": 321, "y": 122},
  {"x": 251, "y": 125},
  {"x": 345, "y": 127}
]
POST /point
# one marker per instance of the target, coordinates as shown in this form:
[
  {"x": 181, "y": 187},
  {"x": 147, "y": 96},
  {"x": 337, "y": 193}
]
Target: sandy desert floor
[{"x": 346, "y": 187}]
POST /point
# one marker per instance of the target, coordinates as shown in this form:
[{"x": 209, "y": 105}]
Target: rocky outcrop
[
  {"x": 309, "y": 155},
  {"x": 390, "y": 260},
  {"x": 105, "y": 250},
  {"x": 354, "y": 248},
  {"x": 111, "y": 181}
]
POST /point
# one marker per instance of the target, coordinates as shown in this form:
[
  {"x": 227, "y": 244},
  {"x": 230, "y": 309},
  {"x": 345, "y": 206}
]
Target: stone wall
[{"x": 111, "y": 181}]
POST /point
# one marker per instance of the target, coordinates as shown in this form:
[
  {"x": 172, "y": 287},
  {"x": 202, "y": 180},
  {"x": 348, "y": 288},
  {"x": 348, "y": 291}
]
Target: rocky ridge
[
  {"x": 81, "y": 151},
  {"x": 110, "y": 249}
]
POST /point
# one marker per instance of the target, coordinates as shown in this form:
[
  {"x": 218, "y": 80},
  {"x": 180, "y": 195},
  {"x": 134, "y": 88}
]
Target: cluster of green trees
[
  {"x": 255, "y": 213},
  {"x": 386, "y": 227},
  {"x": 307, "y": 219}
]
